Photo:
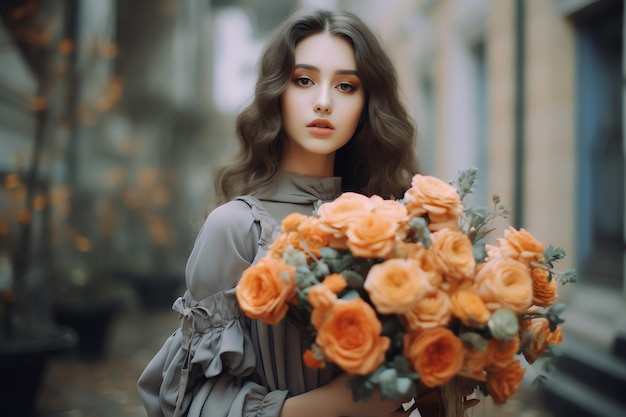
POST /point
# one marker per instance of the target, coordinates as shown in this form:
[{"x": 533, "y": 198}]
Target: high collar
[{"x": 287, "y": 187}]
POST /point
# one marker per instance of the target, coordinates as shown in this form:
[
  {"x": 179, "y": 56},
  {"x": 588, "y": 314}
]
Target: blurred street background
[{"x": 114, "y": 112}]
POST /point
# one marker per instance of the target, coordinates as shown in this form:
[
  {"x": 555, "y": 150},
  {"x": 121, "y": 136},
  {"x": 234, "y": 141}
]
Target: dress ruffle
[{"x": 208, "y": 356}]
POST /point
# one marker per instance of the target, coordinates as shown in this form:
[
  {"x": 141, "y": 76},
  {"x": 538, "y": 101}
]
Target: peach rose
[
  {"x": 404, "y": 249},
  {"x": 350, "y": 337},
  {"x": 502, "y": 383},
  {"x": 544, "y": 292},
  {"x": 424, "y": 256},
  {"x": 265, "y": 289},
  {"x": 501, "y": 353},
  {"x": 433, "y": 310},
  {"x": 291, "y": 222},
  {"x": 435, "y": 353},
  {"x": 493, "y": 252},
  {"x": 454, "y": 253},
  {"x": 397, "y": 285},
  {"x": 310, "y": 231},
  {"x": 322, "y": 299},
  {"x": 520, "y": 245},
  {"x": 371, "y": 236},
  {"x": 536, "y": 336},
  {"x": 336, "y": 216},
  {"x": 505, "y": 283},
  {"x": 435, "y": 198},
  {"x": 393, "y": 211},
  {"x": 335, "y": 282},
  {"x": 469, "y": 308}
]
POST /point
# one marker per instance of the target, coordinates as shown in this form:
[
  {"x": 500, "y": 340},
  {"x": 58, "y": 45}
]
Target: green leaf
[
  {"x": 569, "y": 275},
  {"x": 353, "y": 279},
  {"x": 329, "y": 253},
  {"x": 418, "y": 231},
  {"x": 321, "y": 270},
  {"x": 361, "y": 388},
  {"x": 479, "y": 250},
  {"x": 552, "y": 254},
  {"x": 466, "y": 182},
  {"x": 553, "y": 315},
  {"x": 539, "y": 380},
  {"x": 350, "y": 295}
]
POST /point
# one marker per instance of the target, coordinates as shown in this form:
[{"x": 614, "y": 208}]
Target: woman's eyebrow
[{"x": 316, "y": 69}]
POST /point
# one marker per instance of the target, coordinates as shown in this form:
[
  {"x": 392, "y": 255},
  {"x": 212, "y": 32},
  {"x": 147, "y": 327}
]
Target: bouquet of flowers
[{"x": 393, "y": 292}]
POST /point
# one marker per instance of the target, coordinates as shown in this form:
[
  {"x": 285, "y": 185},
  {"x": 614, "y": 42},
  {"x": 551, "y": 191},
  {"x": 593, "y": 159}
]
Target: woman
[{"x": 326, "y": 118}]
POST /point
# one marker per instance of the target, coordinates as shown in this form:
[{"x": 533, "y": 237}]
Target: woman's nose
[{"x": 322, "y": 104}]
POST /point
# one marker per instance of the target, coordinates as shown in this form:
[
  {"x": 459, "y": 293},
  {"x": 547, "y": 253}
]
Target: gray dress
[{"x": 218, "y": 362}]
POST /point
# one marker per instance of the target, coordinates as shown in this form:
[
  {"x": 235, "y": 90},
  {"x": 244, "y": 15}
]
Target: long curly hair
[{"x": 381, "y": 156}]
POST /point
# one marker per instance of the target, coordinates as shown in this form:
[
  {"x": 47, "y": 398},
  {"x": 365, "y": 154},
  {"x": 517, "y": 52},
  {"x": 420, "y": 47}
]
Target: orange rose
[
  {"x": 335, "y": 282},
  {"x": 454, "y": 253},
  {"x": 544, "y": 292},
  {"x": 505, "y": 283},
  {"x": 397, "y": 285},
  {"x": 336, "y": 216},
  {"x": 279, "y": 245},
  {"x": 503, "y": 383},
  {"x": 371, "y": 236},
  {"x": 501, "y": 353},
  {"x": 311, "y": 361},
  {"x": 536, "y": 336},
  {"x": 291, "y": 222},
  {"x": 322, "y": 299},
  {"x": 435, "y": 353},
  {"x": 436, "y": 198},
  {"x": 469, "y": 308},
  {"x": 520, "y": 245},
  {"x": 350, "y": 337},
  {"x": 309, "y": 230},
  {"x": 433, "y": 310},
  {"x": 265, "y": 288}
]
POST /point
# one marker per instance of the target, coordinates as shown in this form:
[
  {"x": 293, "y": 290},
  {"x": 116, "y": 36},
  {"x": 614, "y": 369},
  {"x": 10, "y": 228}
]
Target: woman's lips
[
  {"x": 320, "y": 127},
  {"x": 322, "y": 123}
]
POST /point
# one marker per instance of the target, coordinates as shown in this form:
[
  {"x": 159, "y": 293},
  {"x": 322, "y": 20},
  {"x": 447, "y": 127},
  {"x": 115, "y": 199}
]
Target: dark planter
[
  {"x": 92, "y": 323},
  {"x": 24, "y": 354},
  {"x": 156, "y": 292}
]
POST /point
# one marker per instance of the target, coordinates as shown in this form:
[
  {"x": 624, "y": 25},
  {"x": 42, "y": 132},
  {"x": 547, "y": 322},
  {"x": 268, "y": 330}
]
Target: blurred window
[{"x": 600, "y": 53}]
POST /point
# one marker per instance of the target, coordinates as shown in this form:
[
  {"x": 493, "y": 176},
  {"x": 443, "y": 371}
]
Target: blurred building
[
  {"x": 531, "y": 93},
  {"x": 141, "y": 96}
]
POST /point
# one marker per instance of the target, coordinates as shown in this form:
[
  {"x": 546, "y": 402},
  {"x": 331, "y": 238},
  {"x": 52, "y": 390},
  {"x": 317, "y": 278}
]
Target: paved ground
[{"x": 74, "y": 387}]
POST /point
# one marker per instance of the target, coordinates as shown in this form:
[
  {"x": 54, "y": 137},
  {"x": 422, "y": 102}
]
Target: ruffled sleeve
[{"x": 206, "y": 368}]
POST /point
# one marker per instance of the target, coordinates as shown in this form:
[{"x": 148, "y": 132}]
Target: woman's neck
[{"x": 318, "y": 166}]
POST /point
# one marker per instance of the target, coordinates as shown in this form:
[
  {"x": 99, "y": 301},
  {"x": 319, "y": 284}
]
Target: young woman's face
[{"x": 322, "y": 105}]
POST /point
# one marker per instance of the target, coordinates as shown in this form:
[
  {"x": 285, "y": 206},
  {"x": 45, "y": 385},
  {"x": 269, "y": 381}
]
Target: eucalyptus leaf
[
  {"x": 329, "y": 253},
  {"x": 353, "y": 279},
  {"x": 361, "y": 388},
  {"x": 350, "y": 295},
  {"x": 479, "y": 251}
]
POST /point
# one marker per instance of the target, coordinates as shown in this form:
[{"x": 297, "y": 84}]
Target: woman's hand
[
  {"x": 335, "y": 400},
  {"x": 430, "y": 402},
  {"x": 340, "y": 394}
]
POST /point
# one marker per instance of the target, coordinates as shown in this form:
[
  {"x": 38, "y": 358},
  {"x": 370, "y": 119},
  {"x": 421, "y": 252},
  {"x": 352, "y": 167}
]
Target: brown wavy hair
[{"x": 379, "y": 159}]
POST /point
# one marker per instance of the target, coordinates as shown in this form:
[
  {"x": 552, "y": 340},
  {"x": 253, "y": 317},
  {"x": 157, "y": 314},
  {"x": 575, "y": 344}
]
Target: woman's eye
[
  {"x": 345, "y": 87},
  {"x": 304, "y": 82}
]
